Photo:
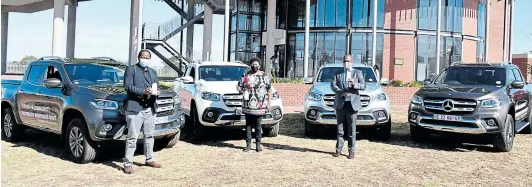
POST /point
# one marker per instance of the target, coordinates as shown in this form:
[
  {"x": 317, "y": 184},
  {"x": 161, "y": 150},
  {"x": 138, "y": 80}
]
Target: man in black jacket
[{"x": 140, "y": 108}]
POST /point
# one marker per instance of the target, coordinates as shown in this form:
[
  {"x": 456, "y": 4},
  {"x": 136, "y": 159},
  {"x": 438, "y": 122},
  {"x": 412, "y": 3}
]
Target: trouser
[
  {"x": 256, "y": 122},
  {"x": 346, "y": 120},
  {"x": 144, "y": 120}
]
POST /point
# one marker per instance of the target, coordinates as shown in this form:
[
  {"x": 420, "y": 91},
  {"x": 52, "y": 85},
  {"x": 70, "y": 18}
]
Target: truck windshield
[
  {"x": 88, "y": 74},
  {"x": 221, "y": 73},
  {"x": 327, "y": 74},
  {"x": 472, "y": 76}
]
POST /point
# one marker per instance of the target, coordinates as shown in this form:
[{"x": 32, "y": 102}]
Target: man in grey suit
[
  {"x": 140, "y": 109},
  {"x": 346, "y": 85}
]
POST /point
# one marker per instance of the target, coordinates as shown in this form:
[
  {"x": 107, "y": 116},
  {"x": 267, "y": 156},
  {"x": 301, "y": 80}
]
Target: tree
[{"x": 28, "y": 59}]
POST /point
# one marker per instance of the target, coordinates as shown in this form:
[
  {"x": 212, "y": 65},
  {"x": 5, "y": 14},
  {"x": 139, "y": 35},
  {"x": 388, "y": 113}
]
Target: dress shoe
[
  {"x": 336, "y": 154},
  {"x": 351, "y": 155},
  {"x": 258, "y": 149},
  {"x": 128, "y": 169},
  {"x": 154, "y": 164}
]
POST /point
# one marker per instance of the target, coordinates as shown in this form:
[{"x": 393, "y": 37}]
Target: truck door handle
[{"x": 39, "y": 94}]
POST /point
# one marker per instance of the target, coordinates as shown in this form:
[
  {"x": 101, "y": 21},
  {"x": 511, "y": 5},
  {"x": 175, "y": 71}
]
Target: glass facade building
[{"x": 406, "y": 34}]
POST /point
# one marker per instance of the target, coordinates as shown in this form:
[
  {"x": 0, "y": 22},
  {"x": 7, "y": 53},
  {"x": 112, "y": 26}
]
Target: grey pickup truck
[
  {"x": 81, "y": 100},
  {"x": 476, "y": 100}
]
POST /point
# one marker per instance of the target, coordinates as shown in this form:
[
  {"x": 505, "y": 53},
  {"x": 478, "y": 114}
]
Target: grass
[{"x": 291, "y": 159}]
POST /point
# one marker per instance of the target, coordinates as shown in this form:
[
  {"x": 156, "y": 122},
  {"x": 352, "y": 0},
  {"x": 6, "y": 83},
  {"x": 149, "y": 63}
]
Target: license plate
[
  {"x": 159, "y": 120},
  {"x": 447, "y": 117},
  {"x": 238, "y": 111}
]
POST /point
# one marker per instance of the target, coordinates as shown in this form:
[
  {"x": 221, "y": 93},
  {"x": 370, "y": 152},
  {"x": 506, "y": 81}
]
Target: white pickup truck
[{"x": 210, "y": 99}]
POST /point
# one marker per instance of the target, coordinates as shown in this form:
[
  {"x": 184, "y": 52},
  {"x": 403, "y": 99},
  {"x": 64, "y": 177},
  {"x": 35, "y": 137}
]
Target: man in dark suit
[
  {"x": 140, "y": 108},
  {"x": 346, "y": 85}
]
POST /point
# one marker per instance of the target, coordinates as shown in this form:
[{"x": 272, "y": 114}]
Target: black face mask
[{"x": 254, "y": 68}]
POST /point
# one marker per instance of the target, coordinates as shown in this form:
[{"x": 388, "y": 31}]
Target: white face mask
[{"x": 144, "y": 62}]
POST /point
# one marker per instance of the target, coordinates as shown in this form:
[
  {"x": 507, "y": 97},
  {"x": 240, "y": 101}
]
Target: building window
[
  {"x": 427, "y": 15},
  {"x": 246, "y": 30},
  {"x": 362, "y": 46},
  {"x": 450, "y": 52},
  {"x": 324, "y": 48},
  {"x": 363, "y": 13}
]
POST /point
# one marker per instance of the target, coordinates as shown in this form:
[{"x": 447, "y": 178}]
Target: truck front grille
[
  {"x": 233, "y": 100},
  {"x": 164, "y": 107},
  {"x": 328, "y": 100},
  {"x": 450, "y": 106}
]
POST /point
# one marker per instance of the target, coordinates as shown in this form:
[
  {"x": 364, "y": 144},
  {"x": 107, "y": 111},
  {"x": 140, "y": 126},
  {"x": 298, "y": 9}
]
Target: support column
[
  {"x": 71, "y": 31},
  {"x": 190, "y": 30},
  {"x": 486, "y": 39},
  {"x": 135, "y": 30},
  {"x": 207, "y": 33},
  {"x": 227, "y": 27},
  {"x": 510, "y": 51},
  {"x": 270, "y": 37},
  {"x": 307, "y": 36},
  {"x": 438, "y": 38},
  {"x": 5, "y": 24},
  {"x": 374, "y": 31},
  {"x": 58, "y": 37}
]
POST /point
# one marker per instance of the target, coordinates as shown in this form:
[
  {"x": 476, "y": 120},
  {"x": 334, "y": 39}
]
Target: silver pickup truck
[
  {"x": 81, "y": 100},
  {"x": 319, "y": 100}
]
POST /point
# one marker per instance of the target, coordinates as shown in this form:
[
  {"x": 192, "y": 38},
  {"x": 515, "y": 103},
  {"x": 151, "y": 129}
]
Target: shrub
[
  {"x": 399, "y": 83},
  {"x": 286, "y": 80}
]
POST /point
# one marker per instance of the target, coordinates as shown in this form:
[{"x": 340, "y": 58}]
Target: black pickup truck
[
  {"x": 488, "y": 100},
  {"x": 82, "y": 101}
]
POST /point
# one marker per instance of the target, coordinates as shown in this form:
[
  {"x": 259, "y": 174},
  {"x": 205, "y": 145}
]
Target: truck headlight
[
  {"x": 380, "y": 97},
  {"x": 210, "y": 96},
  {"x": 314, "y": 96},
  {"x": 491, "y": 103},
  {"x": 104, "y": 104},
  {"x": 417, "y": 100},
  {"x": 275, "y": 96}
]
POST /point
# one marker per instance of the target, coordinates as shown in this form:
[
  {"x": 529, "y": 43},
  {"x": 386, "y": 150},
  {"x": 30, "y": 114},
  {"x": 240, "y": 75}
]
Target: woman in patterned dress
[{"x": 255, "y": 85}]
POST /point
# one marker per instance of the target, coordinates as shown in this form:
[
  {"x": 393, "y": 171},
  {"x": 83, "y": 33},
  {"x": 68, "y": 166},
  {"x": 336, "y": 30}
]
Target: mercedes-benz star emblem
[{"x": 448, "y": 105}]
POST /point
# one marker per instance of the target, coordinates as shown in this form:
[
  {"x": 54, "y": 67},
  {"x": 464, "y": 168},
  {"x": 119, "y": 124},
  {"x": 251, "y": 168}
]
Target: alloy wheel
[
  {"x": 8, "y": 125},
  {"x": 76, "y": 140}
]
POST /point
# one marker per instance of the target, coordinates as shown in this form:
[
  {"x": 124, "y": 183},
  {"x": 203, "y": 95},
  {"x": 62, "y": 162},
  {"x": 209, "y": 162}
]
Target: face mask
[
  {"x": 144, "y": 62},
  {"x": 254, "y": 68}
]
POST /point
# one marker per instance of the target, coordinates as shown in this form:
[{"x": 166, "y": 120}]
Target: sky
[{"x": 103, "y": 30}]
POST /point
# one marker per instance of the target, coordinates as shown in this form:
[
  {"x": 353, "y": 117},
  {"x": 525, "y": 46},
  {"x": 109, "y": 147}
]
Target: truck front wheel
[
  {"x": 80, "y": 148},
  {"x": 384, "y": 132},
  {"x": 311, "y": 130},
  {"x": 505, "y": 140},
  {"x": 418, "y": 134},
  {"x": 11, "y": 131},
  {"x": 172, "y": 140},
  {"x": 272, "y": 131},
  {"x": 200, "y": 131}
]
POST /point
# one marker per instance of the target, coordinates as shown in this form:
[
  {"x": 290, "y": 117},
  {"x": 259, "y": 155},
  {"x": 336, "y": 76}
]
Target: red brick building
[
  {"x": 524, "y": 61},
  {"x": 406, "y": 35}
]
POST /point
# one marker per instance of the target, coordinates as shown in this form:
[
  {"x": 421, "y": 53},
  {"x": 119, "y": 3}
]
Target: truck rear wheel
[
  {"x": 418, "y": 134},
  {"x": 311, "y": 130},
  {"x": 11, "y": 131},
  {"x": 384, "y": 132},
  {"x": 79, "y": 146},
  {"x": 272, "y": 131},
  {"x": 505, "y": 140}
]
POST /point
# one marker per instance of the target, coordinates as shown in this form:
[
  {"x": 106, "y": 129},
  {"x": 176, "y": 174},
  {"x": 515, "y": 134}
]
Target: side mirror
[
  {"x": 308, "y": 80},
  {"x": 518, "y": 84},
  {"x": 52, "y": 83},
  {"x": 385, "y": 81},
  {"x": 427, "y": 81},
  {"x": 187, "y": 79}
]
